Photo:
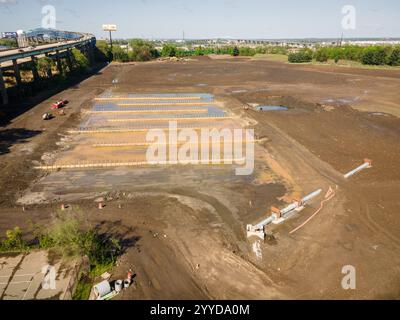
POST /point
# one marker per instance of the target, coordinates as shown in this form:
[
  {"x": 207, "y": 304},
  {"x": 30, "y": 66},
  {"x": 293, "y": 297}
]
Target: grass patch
[
  {"x": 354, "y": 64},
  {"x": 271, "y": 57},
  {"x": 83, "y": 288}
]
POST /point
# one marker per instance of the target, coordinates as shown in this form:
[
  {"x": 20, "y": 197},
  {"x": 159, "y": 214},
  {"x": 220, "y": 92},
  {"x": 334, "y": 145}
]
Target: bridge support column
[
  {"x": 69, "y": 60},
  {"x": 3, "y": 89},
  {"x": 48, "y": 71},
  {"x": 58, "y": 62},
  {"x": 35, "y": 72},
  {"x": 90, "y": 54},
  {"x": 17, "y": 73}
]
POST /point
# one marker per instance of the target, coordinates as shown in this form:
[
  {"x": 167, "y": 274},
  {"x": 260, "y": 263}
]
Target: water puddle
[{"x": 271, "y": 108}]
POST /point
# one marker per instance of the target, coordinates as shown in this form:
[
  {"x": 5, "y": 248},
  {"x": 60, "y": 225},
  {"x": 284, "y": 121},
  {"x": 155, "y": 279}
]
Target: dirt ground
[{"x": 184, "y": 227}]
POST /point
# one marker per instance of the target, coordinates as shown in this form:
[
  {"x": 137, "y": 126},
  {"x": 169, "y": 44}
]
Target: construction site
[{"x": 322, "y": 193}]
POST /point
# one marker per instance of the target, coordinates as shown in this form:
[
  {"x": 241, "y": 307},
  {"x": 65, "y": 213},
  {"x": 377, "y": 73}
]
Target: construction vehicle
[
  {"x": 47, "y": 116},
  {"x": 59, "y": 104}
]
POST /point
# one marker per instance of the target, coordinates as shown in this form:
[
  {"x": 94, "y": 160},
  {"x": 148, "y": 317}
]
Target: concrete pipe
[{"x": 118, "y": 286}]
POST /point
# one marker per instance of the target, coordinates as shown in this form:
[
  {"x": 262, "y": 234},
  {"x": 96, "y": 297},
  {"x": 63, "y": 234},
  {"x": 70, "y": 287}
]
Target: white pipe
[
  {"x": 311, "y": 196},
  {"x": 360, "y": 168},
  {"x": 265, "y": 222},
  {"x": 288, "y": 209}
]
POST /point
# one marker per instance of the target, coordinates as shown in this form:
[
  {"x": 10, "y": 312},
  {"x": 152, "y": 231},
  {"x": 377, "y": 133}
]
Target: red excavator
[{"x": 59, "y": 104}]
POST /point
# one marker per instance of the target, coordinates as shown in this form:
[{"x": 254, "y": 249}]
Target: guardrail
[{"x": 57, "y": 47}]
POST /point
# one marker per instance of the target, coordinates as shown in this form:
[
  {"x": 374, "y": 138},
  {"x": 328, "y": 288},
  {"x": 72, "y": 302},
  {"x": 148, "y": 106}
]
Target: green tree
[
  {"x": 321, "y": 55},
  {"x": 247, "y": 52},
  {"x": 119, "y": 54},
  {"x": 103, "y": 52},
  {"x": 236, "y": 52},
  {"x": 199, "y": 51},
  {"x": 13, "y": 240},
  {"x": 169, "y": 50},
  {"x": 374, "y": 55},
  {"x": 142, "y": 50},
  {"x": 44, "y": 65},
  {"x": 10, "y": 43},
  {"x": 81, "y": 63},
  {"x": 302, "y": 56},
  {"x": 394, "y": 58}
]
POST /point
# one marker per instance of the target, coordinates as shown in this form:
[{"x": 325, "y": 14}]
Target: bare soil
[{"x": 184, "y": 228}]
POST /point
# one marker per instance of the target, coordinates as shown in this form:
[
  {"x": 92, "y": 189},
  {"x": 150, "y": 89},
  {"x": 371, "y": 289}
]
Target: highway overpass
[{"x": 11, "y": 59}]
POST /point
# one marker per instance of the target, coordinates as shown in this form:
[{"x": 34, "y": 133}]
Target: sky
[{"x": 200, "y": 19}]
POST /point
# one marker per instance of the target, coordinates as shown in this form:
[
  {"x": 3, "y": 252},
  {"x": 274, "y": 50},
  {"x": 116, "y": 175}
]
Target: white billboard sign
[{"x": 109, "y": 27}]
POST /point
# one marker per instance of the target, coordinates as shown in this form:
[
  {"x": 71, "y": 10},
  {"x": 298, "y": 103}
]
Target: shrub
[
  {"x": 301, "y": 56},
  {"x": 44, "y": 65},
  {"x": 13, "y": 241},
  {"x": 235, "y": 52},
  {"x": 247, "y": 52},
  {"x": 169, "y": 50},
  {"x": 103, "y": 51},
  {"x": 337, "y": 58},
  {"x": 119, "y": 54},
  {"x": 374, "y": 55},
  {"x": 394, "y": 58},
  {"x": 80, "y": 61},
  {"x": 321, "y": 55},
  {"x": 142, "y": 50}
]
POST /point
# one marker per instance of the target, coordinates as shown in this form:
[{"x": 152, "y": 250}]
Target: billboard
[
  {"x": 109, "y": 27},
  {"x": 9, "y": 35}
]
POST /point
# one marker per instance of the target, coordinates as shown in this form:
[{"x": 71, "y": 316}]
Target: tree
[
  {"x": 374, "y": 55},
  {"x": 321, "y": 55},
  {"x": 119, "y": 54},
  {"x": 142, "y": 50},
  {"x": 103, "y": 51},
  {"x": 301, "y": 56},
  {"x": 394, "y": 59},
  {"x": 80, "y": 61},
  {"x": 44, "y": 65},
  {"x": 236, "y": 52},
  {"x": 247, "y": 52},
  {"x": 199, "y": 51},
  {"x": 169, "y": 50}
]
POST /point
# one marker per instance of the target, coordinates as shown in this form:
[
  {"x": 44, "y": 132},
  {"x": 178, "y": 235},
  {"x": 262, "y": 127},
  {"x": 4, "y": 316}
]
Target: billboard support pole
[{"x": 111, "y": 42}]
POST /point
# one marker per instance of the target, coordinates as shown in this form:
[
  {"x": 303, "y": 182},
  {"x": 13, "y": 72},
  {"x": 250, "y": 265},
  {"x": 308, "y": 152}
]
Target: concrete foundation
[{"x": 35, "y": 72}]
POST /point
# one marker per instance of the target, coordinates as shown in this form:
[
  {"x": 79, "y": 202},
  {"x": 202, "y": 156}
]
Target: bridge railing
[{"x": 86, "y": 40}]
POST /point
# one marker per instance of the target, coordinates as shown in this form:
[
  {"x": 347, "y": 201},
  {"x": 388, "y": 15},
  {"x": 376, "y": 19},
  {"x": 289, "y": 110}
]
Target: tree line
[
  {"x": 141, "y": 50},
  {"x": 372, "y": 55}
]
